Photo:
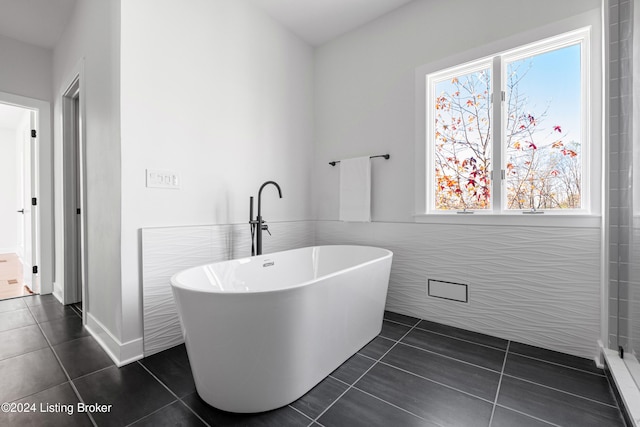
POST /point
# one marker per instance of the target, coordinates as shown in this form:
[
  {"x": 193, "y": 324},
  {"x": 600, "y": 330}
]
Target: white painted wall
[
  {"x": 221, "y": 96},
  {"x": 9, "y": 200},
  {"x": 365, "y": 104},
  {"x": 26, "y": 69},
  {"x": 25, "y": 80},
  {"x": 365, "y": 89},
  {"x": 91, "y": 41}
]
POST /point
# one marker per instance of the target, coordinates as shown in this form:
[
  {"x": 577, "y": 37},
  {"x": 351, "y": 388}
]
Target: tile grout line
[
  {"x": 364, "y": 373},
  {"x": 529, "y": 416},
  {"x": 22, "y": 326},
  {"x": 365, "y": 356},
  {"x": 450, "y": 357},
  {"x": 400, "y": 323},
  {"x": 301, "y": 413},
  {"x": 561, "y": 391},
  {"x": 435, "y": 382},
  {"x": 462, "y": 339},
  {"x": 170, "y": 391},
  {"x": 77, "y": 339},
  {"x": 73, "y": 385},
  {"x": 436, "y": 353},
  {"x": 95, "y": 372},
  {"x": 501, "y": 374},
  {"x": 384, "y": 401},
  {"x": 397, "y": 407},
  {"x": 26, "y": 352},
  {"x": 338, "y": 379},
  {"x": 177, "y": 399},
  {"x": 64, "y": 370},
  {"x": 495, "y": 401},
  {"x": 24, "y": 305},
  {"x": 151, "y": 413},
  {"x": 557, "y": 364},
  {"x": 490, "y": 346},
  {"x": 497, "y": 391},
  {"x": 353, "y": 385},
  {"x": 37, "y": 392}
]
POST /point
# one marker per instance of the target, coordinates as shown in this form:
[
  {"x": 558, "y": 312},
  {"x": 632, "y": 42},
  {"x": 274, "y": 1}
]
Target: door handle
[{"x": 21, "y": 211}]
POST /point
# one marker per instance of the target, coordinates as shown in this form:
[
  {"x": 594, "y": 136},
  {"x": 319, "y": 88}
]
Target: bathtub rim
[{"x": 176, "y": 284}]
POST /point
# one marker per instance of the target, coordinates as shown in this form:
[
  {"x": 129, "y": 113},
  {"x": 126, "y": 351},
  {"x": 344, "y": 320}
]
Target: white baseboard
[
  {"x": 8, "y": 250},
  {"x": 121, "y": 353},
  {"x": 57, "y": 292},
  {"x": 599, "y": 357},
  {"x": 625, "y": 384}
]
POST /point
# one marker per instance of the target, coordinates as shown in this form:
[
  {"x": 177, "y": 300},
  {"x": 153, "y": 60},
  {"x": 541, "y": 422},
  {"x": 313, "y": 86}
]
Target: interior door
[
  {"x": 78, "y": 196},
  {"x": 27, "y": 234},
  {"x": 73, "y": 211},
  {"x": 32, "y": 221},
  {"x": 28, "y": 237},
  {"x": 20, "y": 220}
]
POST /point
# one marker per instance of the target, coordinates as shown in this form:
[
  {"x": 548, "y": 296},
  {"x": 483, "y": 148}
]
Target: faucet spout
[
  {"x": 259, "y": 222},
  {"x": 260, "y": 194}
]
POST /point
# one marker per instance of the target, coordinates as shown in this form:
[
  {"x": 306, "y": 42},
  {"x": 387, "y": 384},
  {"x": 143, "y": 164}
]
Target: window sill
[{"x": 515, "y": 219}]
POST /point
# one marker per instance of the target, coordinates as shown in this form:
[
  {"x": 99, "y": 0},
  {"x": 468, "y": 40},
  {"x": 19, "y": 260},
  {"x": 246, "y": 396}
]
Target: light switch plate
[{"x": 162, "y": 179}]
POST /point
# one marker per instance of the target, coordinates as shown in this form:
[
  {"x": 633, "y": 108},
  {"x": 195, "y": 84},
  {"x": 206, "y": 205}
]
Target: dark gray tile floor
[{"x": 415, "y": 373}]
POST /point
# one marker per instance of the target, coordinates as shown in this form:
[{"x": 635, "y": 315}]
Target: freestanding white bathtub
[{"x": 262, "y": 331}]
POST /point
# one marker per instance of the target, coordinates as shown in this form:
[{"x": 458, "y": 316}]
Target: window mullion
[{"x": 497, "y": 135}]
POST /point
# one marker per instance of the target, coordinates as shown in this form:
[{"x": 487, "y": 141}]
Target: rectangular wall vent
[{"x": 448, "y": 290}]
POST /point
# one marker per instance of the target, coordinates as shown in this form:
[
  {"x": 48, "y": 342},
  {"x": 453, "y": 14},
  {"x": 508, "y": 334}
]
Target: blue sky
[{"x": 554, "y": 80}]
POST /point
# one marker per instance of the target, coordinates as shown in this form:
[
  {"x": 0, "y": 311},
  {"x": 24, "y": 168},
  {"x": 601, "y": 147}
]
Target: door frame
[
  {"x": 28, "y": 189},
  {"x": 74, "y": 83},
  {"x": 42, "y": 187},
  {"x": 73, "y": 193}
]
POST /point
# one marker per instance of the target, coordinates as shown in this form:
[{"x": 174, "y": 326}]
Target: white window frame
[
  {"x": 581, "y": 37},
  {"x": 497, "y": 65},
  {"x": 431, "y": 81},
  {"x": 536, "y": 41}
]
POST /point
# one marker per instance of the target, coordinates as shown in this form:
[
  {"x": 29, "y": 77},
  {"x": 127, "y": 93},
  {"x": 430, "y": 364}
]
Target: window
[
  {"x": 461, "y": 137},
  {"x": 508, "y": 133}
]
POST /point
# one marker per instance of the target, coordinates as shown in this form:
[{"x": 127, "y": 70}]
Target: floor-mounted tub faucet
[{"x": 258, "y": 225}]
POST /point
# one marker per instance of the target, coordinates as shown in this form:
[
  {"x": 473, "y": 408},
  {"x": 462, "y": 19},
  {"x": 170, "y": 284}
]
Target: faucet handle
[{"x": 265, "y": 227}]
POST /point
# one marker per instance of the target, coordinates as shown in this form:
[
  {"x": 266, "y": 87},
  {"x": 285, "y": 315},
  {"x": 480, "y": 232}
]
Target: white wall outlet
[{"x": 162, "y": 179}]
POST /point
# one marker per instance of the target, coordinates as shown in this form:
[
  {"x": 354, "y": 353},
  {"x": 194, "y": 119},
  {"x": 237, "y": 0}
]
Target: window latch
[
  {"x": 533, "y": 211},
  {"x": 503, "y": 96}
]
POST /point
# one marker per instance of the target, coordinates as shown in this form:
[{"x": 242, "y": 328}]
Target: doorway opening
[
  {"x": 19, "y": 237},
  {"x": 73, "y": 197}
]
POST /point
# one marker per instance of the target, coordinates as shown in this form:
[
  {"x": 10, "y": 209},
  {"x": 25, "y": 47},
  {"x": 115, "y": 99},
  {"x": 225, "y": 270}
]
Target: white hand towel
[{"x": 355, "y": 189}]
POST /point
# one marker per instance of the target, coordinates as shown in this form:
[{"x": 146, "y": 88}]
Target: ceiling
[
  {"x": 37, "y": 22},
  {"x": 10, "y": 116},
  {"x": 41, "y": 22},
  {"x": 318, "y": 21}
]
